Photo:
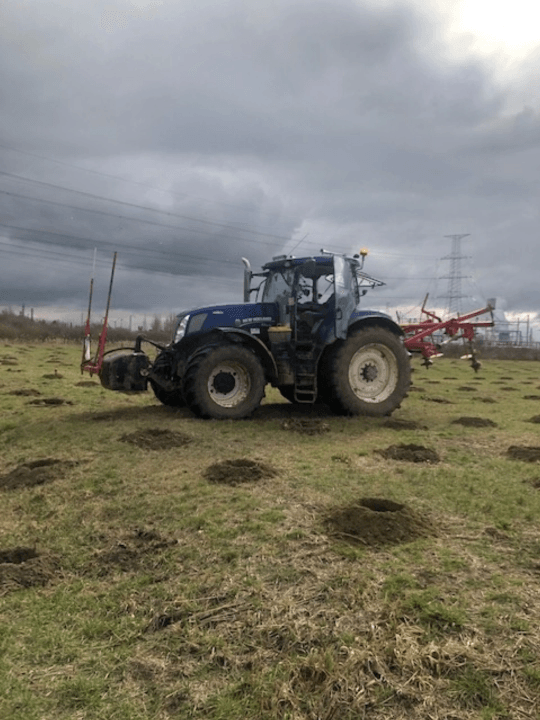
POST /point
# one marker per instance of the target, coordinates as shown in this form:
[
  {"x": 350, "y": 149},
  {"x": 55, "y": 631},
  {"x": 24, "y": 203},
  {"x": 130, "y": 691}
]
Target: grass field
[{"x": 296, "y": 566}]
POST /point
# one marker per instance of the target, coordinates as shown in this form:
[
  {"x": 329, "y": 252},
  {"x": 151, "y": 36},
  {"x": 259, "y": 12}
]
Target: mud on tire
[
  {"x": 369, "y": 374},
  {"x": 223, "y": 382}
]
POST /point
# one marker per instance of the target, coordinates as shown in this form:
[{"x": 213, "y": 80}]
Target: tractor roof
[{"x": 324, "y": 263}]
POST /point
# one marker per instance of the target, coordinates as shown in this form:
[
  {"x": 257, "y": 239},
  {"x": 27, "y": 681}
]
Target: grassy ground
[{"x": 295, "y": 566}]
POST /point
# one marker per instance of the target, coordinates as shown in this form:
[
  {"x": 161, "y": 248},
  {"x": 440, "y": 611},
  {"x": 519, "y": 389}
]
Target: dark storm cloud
[{"x": 337, "y": 120}]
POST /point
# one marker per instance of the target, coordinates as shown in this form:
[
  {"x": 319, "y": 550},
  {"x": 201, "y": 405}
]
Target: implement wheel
[
  {"x": 225, "y": 382},
  {"x": 370, "y": 373}
]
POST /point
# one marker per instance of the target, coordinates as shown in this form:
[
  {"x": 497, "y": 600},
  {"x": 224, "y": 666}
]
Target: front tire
[
  {"x": 225, "y": 382},
  {"x": 163, "y": 365},
  {"x": 370, "y": 373},
  {"x": 171, "y": 399}
]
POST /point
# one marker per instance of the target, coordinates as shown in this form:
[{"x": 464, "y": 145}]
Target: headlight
[{"x": 181, "y": 329}]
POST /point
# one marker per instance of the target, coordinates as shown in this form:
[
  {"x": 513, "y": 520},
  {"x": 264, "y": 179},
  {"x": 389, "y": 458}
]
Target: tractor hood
[{"x": 243, "y": 315}]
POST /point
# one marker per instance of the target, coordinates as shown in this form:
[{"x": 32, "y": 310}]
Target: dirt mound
[
  {"x": 467, "y": 388},
  {"x": 23, "y": 567},
  {"x": 35, "y": 472},
  {"x": 534, "y": 419},
  {"x": 87, "y": 383},
  {"x": 528, "y": 453},
  {"x": 397, "y": 424},
  {"x": 533, "y": 482},
  {"x": 53, "y": 376},
  {"x": 138, "y": 549},
  {"x": 507, "y": 388},
  {"x": 410, "y": 453},
  {"x": 306, "y": 426},
  {"x": 241, "y": 470},
  {"x": 440, "y": 400},
  {"x": 416, "y": 388},
  {"x": 50, "y": 402},
  {"x": 486, "y": 400},
  {"x": 8, "y": 360},
  {"x": 375, "y": 522},
  {"x": 25, "y": 392},
  {"x": 474, "y": 422},
  {"x": 531, "y": 397},
  {"x": 157, "y": 439}
]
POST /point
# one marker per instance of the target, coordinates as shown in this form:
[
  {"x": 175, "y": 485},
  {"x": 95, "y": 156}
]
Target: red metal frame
[
  {"x": 93, "y": 366},
  {"x": 416, "y": 334}
]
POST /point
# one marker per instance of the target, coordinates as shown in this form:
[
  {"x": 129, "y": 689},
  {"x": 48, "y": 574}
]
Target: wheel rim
[
  {"x": 229, "y": 384},
  {"x": 373, "y": 373}
]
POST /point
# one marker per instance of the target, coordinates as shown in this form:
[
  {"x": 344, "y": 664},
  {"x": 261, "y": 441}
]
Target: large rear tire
[
  {"x": 370, "y": 373},
  {"x": 224, "y": 382}
]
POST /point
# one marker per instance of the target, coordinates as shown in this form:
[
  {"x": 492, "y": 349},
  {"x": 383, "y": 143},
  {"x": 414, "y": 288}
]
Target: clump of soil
[
  {"x": 139, "y": 548},
  {"x": 410, "y": 453},
  {"x": 474, "y": 422},
  {"x": 87, "y": 383},
  {"x": 506, "y": 388},
  {"x": 531, "y": 397},
  {"x": 53, "y": 376},
  {"x": 416, "y": 388},
  {"x": 157, "y": 439},
  {"x": 534, "y": 419},
  {"x": 35, "y": 472},
  {"x": 466, "y": 388},
  {"x": 8, "y": 360},
  {"x": 17, "y": 555},
  {"x": 50, "y": 401},
  {"x": 528, "y": 453},
  {"x": 486, "y": 400},
  {"x": 241, "y": 470},
  {"x": 397, "y": 424},
  {"x": 376, "y": 522},
  {"x": 440, "y": 400},
  {"x": 25, "y": 392},
  {"x": 23, "y": 567},
  {"x": 306, "y": 426}
]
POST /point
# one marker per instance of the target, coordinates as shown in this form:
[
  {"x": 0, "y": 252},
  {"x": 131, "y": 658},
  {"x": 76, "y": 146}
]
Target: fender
[
  {"x": 373, "y": 318},
  {"x": 247, "y": 339}
]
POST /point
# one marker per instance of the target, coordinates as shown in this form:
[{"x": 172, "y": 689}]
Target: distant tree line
[{"x": 15, "y": 327}]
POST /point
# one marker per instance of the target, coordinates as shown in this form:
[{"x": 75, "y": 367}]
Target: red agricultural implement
[
  {"x": 93, "y": 364},
  {"x": 419, "y": 336}
]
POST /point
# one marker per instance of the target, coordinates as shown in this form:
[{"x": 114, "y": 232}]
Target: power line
[{"x": 125, "y": 180}]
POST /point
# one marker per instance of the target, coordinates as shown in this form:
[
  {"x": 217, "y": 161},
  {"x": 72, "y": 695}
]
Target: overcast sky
[{"x": 186, "y": 135}]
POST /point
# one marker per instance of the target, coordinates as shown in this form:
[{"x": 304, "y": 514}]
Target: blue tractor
[{"x": 300, "y": 329}]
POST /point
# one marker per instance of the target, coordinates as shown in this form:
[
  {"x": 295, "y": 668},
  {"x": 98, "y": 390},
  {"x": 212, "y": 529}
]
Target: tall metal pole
[{"x": 454, "y": 279}]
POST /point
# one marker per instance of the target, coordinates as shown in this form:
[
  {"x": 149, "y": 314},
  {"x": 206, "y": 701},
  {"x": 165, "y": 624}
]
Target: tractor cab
[{"x": 316, "y": 296}]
